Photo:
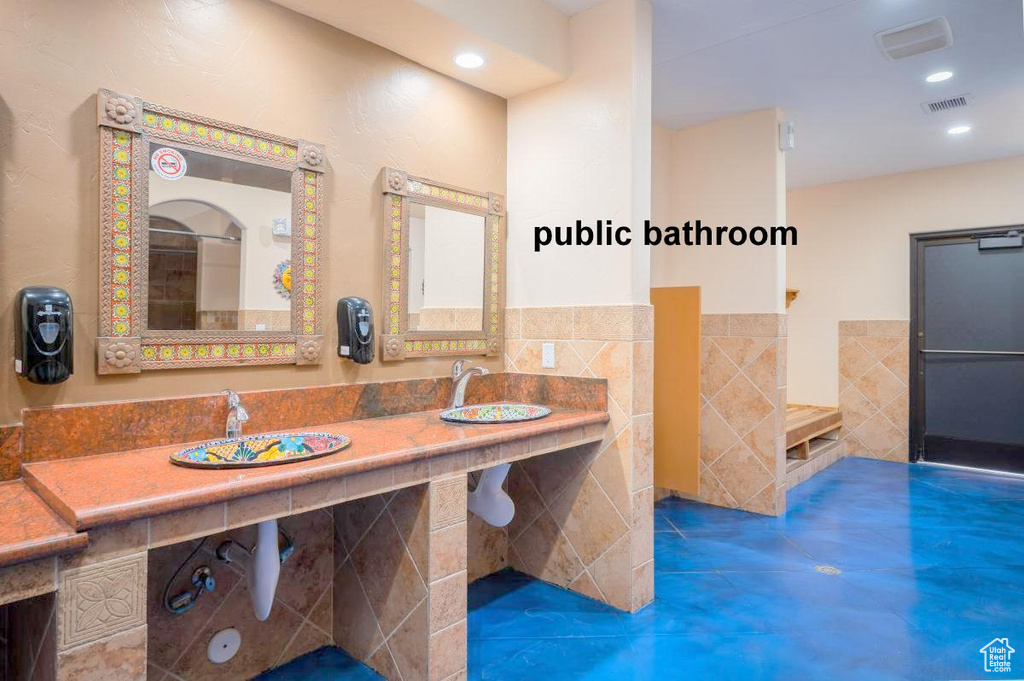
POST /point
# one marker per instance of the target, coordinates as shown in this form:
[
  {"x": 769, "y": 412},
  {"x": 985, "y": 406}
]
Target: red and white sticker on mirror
[{"x": 169, "y": 163}]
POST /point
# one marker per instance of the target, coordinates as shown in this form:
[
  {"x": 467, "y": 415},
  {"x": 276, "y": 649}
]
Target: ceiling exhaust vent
[
  {"x": 948, "y": 104},
  {"x": 917, "y": 38}
]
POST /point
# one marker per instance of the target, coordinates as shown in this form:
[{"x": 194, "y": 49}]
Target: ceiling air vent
[
  {"x": 917, "y": 38},
  {"x": 948, "y": 104}
]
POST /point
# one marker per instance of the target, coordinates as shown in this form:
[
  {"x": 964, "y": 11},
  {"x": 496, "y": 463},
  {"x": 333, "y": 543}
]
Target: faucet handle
[
  {"x": 233, "y": 400},
  {"x": 241, "y": 415},
  {"x": 457, "y": 367}
]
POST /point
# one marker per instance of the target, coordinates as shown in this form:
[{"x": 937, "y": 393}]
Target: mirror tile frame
[
  {"x": 397, "y": 340},
  {"x": 127, "y": 125}
]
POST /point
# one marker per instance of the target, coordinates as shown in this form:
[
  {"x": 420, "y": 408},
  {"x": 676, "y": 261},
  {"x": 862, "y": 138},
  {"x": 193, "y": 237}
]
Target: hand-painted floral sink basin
[
  {"x": 268, "y": 449},
  {"x": 495, "y": 413}
]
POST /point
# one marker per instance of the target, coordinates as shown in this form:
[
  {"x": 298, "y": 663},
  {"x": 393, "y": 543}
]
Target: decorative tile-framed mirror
[
  {"x": 444, "y": 269},
  {"x": 211, "y": 239}
]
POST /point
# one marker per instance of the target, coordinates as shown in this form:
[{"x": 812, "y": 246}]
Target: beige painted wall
[
  {"x": 853, "y": 260},
  {"x": 661, "y": 179},
  {"x": 245, "y": 61},
  {"x": 728, "y": 172},
  {"x": 581, "y": 150}
]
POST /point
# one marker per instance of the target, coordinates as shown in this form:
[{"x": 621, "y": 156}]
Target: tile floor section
[{"x": 932, "y": 569}]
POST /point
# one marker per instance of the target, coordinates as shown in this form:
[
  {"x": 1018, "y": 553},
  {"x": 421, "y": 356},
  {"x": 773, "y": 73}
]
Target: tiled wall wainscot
[
  {"x": 743, "y": 412},
  {"x": 584, "y": 517},
  {"x": 400, "y": 585},
  {"x": 874, "y": 368}
]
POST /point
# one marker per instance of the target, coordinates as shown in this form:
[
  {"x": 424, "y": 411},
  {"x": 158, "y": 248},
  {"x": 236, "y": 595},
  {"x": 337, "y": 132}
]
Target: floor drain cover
[{"x": 827, "y": 569}]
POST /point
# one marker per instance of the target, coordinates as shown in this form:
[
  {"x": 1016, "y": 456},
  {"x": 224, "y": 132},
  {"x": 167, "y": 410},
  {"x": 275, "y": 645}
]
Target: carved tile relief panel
[
  {"x": 102, "y": 599},
  {"x": 447, "y": 502}
]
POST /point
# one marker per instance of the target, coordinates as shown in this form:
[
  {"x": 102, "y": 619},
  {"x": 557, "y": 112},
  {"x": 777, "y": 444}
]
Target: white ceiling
[
  {"x": 570, "y": 7},
  {"x": 856, "y": 113}
]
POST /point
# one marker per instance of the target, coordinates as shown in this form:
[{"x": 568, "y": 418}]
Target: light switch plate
[{"x": 547, "y": 356}]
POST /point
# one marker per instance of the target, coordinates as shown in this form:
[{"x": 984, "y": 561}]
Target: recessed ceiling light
[
  {"x": 958, "y": 130},
  {"x": 469, "y": 60},
  {"x": 939, "y": 76}
]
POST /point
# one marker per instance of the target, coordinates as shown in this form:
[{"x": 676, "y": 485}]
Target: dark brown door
[{"x": 967, "y": 347}]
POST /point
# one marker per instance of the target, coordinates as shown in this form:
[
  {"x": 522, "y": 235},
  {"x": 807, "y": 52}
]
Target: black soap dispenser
[
  {"x": 43, "y": 341},
  {"x": 355, "y": 329}
]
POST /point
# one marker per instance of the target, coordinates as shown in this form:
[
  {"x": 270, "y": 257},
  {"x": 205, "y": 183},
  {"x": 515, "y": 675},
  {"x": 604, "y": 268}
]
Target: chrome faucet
[
  {"x": 460, "y": 379},
  {"x": 237, "y": 415}
]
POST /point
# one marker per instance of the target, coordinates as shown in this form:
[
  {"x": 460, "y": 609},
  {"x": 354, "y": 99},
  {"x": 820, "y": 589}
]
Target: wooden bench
[{"x": 805, "y": 423}]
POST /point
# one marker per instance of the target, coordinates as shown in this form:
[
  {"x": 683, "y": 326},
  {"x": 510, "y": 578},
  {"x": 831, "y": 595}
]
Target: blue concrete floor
[{"x": 932, "y": 569}]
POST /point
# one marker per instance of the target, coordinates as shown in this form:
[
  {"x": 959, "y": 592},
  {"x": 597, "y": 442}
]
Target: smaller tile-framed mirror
[
  {"x": 211, "y": 239},
  {"x": 444, "y": 269}
]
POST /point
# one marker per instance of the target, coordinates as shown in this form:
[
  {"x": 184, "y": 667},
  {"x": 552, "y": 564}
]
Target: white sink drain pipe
[
  {"x": 264, "y": 569},
  {"x": 489, "y": 500},
  {"x": 262, "y": 565}
]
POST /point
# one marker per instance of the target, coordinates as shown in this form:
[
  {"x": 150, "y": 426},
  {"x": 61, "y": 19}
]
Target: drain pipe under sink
[
  {"x": 262, "y": 567},
  {"x": 265, "y": 569},
  {"x": 489, "y": 500}
]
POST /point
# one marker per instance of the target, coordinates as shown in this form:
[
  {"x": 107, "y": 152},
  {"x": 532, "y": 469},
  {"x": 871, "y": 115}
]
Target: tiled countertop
[
  {"x": 121, "y": 486},
  {"x": 30, "y": 529}
]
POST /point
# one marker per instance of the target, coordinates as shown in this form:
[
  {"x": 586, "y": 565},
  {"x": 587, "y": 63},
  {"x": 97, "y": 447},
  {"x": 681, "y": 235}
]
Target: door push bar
[{"x": 1010, "y": 353}]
